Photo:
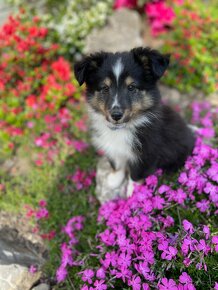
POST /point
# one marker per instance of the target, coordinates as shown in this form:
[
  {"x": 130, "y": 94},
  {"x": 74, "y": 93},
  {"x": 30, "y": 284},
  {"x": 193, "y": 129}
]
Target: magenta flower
[
  {"x": 99, "y": 285},
  {"x": 32, "y": 269},
  {"x": 135, "y": 282},
  {"x": 145, "y": 286},
  {"x": 42, "y": 203},
  {"x": 169, "y": 254},
  {"x": 61, "y": 274},
  {"x": 124, "y": 3},
  {"x": 185, "y": 278},
  {"x": 202, "y": 246},
  {"x": 216, "y": 286},
  {"x": 203, "y": 205},
  {"x": 166, "y": 284},
  {"x": 188, "y": 227},
  {"x": 42, "y": 213},
  {"x": 206, "y": 231},
  {"x": 100, "y": 274},
  {"x": 87, "y": 275}
]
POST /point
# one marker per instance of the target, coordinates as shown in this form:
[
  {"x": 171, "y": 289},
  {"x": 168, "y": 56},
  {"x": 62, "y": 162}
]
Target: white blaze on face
[
  {"x": 117, "y": 70},
  {"x": 115, "y": 102}
]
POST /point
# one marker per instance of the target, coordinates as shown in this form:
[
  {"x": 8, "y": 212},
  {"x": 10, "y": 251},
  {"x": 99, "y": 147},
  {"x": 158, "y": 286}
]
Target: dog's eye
[
  {"x": 131, "y": 87},
  {"x": 105, "y": 89}
]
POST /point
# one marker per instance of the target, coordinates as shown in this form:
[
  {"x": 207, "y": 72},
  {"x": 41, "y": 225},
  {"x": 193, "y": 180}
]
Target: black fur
[{"x": 166, "y": 141}]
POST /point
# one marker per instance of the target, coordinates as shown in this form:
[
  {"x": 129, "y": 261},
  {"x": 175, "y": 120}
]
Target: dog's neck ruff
[{"x": 117, "y": 145}]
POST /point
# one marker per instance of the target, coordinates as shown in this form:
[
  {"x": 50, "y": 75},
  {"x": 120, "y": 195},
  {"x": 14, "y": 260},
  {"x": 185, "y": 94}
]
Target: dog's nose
[{"x": 116, "y": 115}]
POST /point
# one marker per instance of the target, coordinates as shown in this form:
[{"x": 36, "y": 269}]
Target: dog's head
[{"x": 122, "y": 86}]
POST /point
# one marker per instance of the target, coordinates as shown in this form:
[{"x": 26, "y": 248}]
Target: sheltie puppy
[{"x": 137, "y": 133}]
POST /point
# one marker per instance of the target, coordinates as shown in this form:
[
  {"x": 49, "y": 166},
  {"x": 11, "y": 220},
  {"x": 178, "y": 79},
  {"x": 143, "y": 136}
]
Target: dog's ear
[
  {"x": 88, "y": 65},
  {"x": 151, "y": 59}
]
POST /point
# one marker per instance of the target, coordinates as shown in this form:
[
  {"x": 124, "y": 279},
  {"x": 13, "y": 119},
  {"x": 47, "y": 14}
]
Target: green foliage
[
  {"x": 193, "y": 45},
  {"x": 71, "y": 21}
]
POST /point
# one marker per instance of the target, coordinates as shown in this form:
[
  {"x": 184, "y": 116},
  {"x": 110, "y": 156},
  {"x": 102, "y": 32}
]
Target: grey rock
[
  {"x": 19, "y": 249},
  {"x": 104, "y": 192},
  {"x": 42, "y": 286},
  {"x": 18, "y": 252},
  {"x": 17, "y": 277},
  {"x": 5, "y": 11},
  {"x": 122, "y": 32}
]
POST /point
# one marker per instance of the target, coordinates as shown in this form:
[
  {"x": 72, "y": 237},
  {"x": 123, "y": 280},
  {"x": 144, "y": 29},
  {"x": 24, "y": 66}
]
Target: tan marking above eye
[
  {"x": 129, "y": 80},
  {"x": 107, "y": 82}
]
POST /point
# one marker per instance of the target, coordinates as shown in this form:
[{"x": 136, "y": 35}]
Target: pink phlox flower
[
  {"x": 41, "y": 213},
  {"x": 32, "y": 269},
  {"x": 166, "y": 284},
  {"x": 145, "y": 286},
  {"x": 187, "y": 262},
  {"x": 135, "y": 282},
  {"x": 210, "y": 188},
  {"x": 188, "y": 227},
  {"x": 180, "y": 196},
  {"x": 186, "y": 245},
  {"x": 123, "y": 273},
  {"x": 61, "y": 274},
  {"x": 133, "y": 222},
  {"x": 158, "y": 202},
  {"x": 212, "y": 172},
  {"x": 84, "y": 287},
  {"x": 87, "y": 275},
  {"x": 184, "y": 278},
  {"x": 109, "y": 259},
  {"x": 163, "y": 245},
  {"x": 151, "y": 181},
  {"x": 107, "y": 237},
  {"x": 208, "y": 133},
  {"x": 128, "y": 247},
  {"x": 203, "y": 205},
  {"x": 145, "y": 222},
  {"x": 79, "y": 145},
  {"x": 168, "y": 221},
  {"x": 216, "y": 286},
  {"x": 124, "y": 260},
  {"x": 206, "y": 231},
  {"x": 66, "y": 258},
  {"x": 42, "y": 203},
  {"x": 169, "y": 254},
  {"x": 148, "y": 256},
  {"x": 100, "y": 285},
  {"x": 81, "y": 125},
  {"x": 142, "y": 268},
  {"x": 215, "y": 242},
  {"x": 100, "y": 274},
  {"x": 202, "y": 246},
  {"x": 163, "y": 188},
  {"x": 147, "y": 206}
]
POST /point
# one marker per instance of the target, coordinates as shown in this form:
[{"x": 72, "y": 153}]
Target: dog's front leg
[{"x": 117, "y": 176}]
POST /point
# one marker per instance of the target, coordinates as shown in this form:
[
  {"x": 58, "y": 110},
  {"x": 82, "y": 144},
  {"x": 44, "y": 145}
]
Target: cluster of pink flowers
[
  {"x": 56, "y": 133},
  {"x": 160, "y": 15},
  {"x": 39, "y": 213},
  {"x": 68, "y": 252},
  {"x": 82, "y": 179},
  {"x": 141, "y": 230}
]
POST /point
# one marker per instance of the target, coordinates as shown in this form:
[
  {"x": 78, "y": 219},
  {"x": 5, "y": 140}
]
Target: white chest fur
[{"x": 116, "y": 144}]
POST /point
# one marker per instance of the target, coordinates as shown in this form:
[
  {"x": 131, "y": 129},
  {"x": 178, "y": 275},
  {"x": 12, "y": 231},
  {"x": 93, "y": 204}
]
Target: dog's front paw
[
  {"x": 115, "y": 179},
  {"x": 130, "y": 188}
]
